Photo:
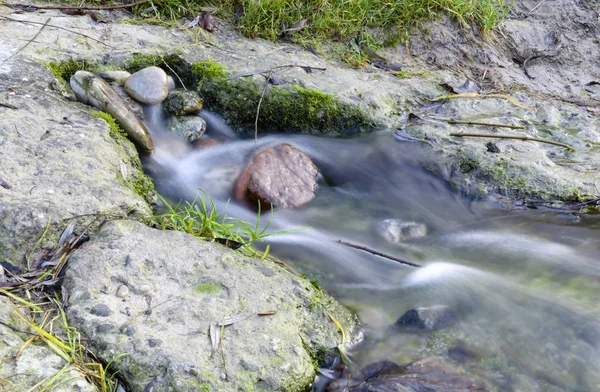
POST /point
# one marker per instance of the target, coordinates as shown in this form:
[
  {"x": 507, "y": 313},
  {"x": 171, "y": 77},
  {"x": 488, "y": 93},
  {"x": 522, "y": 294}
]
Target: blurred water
[{"x": 525, "y": 282}]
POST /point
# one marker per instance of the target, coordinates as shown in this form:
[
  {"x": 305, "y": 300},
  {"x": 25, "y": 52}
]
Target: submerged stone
[
  {"x": 396, "y": 230},
  {"x": 427, "y": 318},
  {"x": 188, "y": 128},
  {"x": 425, "y": 375},
  {"x": 149, "y": 85},
  {"x": 97, "y": 92},
  {"x": 282, "y": 176},
  {"x": 180, "y": 102}
]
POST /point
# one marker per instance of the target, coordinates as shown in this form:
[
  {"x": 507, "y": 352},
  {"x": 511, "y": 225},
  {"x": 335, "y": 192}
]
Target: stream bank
[{"x": 350, "y": 100}]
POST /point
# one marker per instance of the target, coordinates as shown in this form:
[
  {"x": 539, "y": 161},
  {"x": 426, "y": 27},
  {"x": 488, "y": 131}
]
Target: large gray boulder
[
  {"x": 57, "y": 162},
  {"x": 36, "y": 364},
  {"x": 177, "y": 287}
]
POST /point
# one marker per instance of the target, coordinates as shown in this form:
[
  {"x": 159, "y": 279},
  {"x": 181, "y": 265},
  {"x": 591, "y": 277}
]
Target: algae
[{"x": 139, "y": 182}]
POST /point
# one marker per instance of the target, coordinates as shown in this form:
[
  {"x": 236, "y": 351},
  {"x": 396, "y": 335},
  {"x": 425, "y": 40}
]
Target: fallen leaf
[{"x": 207, "y": 21}]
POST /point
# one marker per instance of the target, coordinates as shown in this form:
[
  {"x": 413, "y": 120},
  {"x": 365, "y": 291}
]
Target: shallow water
[{"x": 526, "y": 283}]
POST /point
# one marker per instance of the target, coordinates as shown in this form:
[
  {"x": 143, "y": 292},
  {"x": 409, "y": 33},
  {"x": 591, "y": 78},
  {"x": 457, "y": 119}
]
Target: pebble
[
  {"x": 101, "y": 310},
  {"x": 180, "y": 102},
  {"x": 123, "y": 291},
  {"x": 148, "y": 85}
]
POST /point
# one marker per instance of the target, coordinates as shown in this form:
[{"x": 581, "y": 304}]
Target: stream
[{"x": 524, "y": 282}]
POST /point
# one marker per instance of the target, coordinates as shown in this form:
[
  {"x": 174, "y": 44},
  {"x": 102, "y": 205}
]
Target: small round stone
[
  {"x": 101, "y": 310},
  {"x": 149, "y": 85},
  {"x": 122, "y": 291}
]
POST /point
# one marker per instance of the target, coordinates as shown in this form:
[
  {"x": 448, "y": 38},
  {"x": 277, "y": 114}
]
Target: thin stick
[
  {"x": 56, "y": 27},
  {"x": 66, "y": 7},
  {"x": 8, "y": 105},
  {"x": 18, "y": 330},
  {"x": 262, "y": 71},
  {"x": 377, "y": 253},
  {"x": 28, "y": 42},
  {"x": 477, "y": 95},
  {"x": 485, "y": 124},
  {"x": 516, "y": 137},
  {"x": 262, "y": 95},
  {"x": 536, "y": 7}
]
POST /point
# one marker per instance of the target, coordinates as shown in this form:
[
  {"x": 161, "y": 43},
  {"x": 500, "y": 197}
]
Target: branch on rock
[
  {"x": 307, "y": 68},
  {"x": 66, "y": 7},
  {"x": 485, "y": 124},
  {"x": 516, "y": 137},
  {"x": 477, "y": 95},
  {"x": 377, "y": 253},
  {"x": 53, "y": 26}
]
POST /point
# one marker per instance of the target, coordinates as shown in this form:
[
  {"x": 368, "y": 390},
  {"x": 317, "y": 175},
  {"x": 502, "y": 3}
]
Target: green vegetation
[
  {"x": 63, "y": 70},
  {"x": 140, "y": 183},
  {"x": 209, "y": 288},
  {"x": 201, "y": 219},
  {"x": 283, "y": 108},
  {"x": 39, "y": 312},
  {"x": 115, "y": 130},
  {"x": 353, "y": 26}
]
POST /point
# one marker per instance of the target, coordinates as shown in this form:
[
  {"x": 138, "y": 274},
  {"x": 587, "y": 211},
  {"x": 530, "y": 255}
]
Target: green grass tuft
[{"x": 201, "y": 219}]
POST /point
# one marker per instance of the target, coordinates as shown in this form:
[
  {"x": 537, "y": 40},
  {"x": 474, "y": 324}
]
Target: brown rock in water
[
  {"x": 280, "y": 175},
  {"x": 429, "y": 374}
]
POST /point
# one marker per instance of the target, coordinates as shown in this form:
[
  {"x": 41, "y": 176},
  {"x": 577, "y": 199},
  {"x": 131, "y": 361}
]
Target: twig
[
  {"x": 536, "y": 7},
  {"x": 8, "y": 105},
  {"x": 262, "y": 95},
  {"x": 485, "y": 124},
  {"x": 516, "y": 137},
  {"x": 28, "y": 42},
  {"x": 262, "y": 71},
  {"x": 66, "y": 7},
  {"x": 56, "y": 27},
  {"x": 377, "y": 253},
  {"x": 477, "y": 95},
  {"x": 18, "y": 330}
]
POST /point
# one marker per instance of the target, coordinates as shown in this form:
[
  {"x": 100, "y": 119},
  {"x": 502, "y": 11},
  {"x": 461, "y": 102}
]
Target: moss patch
[
  {"x": 209, "y": 288},
  {"x": 138, "y": 182},
  {"x": 288, "y": 108},
  {"x": 63, "y": 70}
]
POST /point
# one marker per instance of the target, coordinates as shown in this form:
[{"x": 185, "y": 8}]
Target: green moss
[
  {"x": 63, "y": 70},
  {"x": 209, "y": 288},
  {"x": 140, "y": 183},
  {"x": 203, "y": 71},
  {"x": 288, "y": 108},
  {"x": 116, "y": 132}
]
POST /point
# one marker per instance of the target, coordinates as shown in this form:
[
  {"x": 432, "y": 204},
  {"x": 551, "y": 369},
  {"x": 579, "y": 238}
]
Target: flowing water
[{"x": 525, "y": 282}]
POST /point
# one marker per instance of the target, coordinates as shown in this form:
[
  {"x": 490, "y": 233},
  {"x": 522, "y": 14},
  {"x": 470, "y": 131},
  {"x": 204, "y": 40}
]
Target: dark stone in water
[
  {"x": 427, "y": 319},
  {"x": 426, "y": 375},
  {"x": 180, "y": 102},
  {"x": 282, "y": 176}
]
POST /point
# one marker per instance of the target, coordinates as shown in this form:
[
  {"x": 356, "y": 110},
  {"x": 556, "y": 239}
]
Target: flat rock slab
[
  {"x": 58, "y": 162},
  {"x": 36, "y": 363},
  {"x": 282, "y": 176},
  {"x": 177, "y": 287}
]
